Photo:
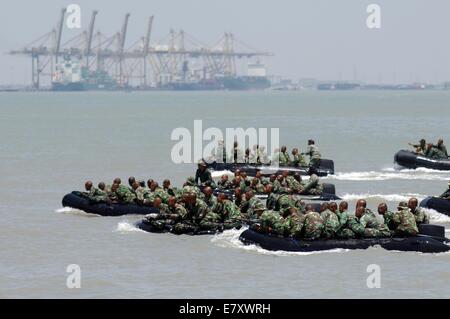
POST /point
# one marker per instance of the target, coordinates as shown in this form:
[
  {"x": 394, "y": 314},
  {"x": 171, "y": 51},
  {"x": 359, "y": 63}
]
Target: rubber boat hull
[
  {"x": 326, "y": 167},
  {"x": 424, "y": 244},
  {"x": 142, "y": 225},
  {"x": 75, "y": 201},
  {"x": 440, "y": 205},
  {"x": 329, "y": 193},
  {"x": 410, "y": 160}
]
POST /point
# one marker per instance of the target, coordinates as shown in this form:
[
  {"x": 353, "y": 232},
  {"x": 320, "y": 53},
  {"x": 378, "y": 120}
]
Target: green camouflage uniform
[
  {"x": 141, "y": 194},
  {"x": 224, "y": 184},
  {"x": 272, "y": 222},
  {"x": 229, "y": 213},
  {"x": 96, "y": 195},
  {"x": 314, "y": 155},
  {"x": 405, "y": 222},
  {"x": 193, "y": 218},
  {"x": 124, "y": 194},
  {"x": 294, "y": 184},
  {"x": 284, "y": 159},
  {"x": 421, "y": 216},
  {"x": 435, "y": 153},
  {"x": 163, "y": 221},
  {"x": 211, "y": 201},
  {"x": 271, "y": 201},
  {"x": 330, "y": 222},
  {"x": 294, "y": 225},
  {"x": 372, "y": 226},
  {"x": 313, "y": 187},
  {"x": 313, "y": 226},
  {"x": 299, "y": 160},
  {"x": 280, "y": 187},
  {"x": 350, "y": 226},
  {"x": 285, "y": 202},
  {"x": 388, "y": 220},
  {"x": 254, "y": 205}
]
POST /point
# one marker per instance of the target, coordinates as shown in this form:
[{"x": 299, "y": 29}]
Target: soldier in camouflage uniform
[
  {"x": 434, "y": 153},
  {"x": 280, "y": 186},
  {"x": 298, "y": 159},
  {"x": 420, "y": 148},
  {"x": 122, "y": 193},
  {"x": 224, "y": 183},
  {"x": 172, "y": 191},
  {"x": 330, "y": 220},
  {"x": 284, "y": 202},
  {"x": 420, "y": 214},
  {"x": 372, "y": 226},
  {"x": 314, "y": 154},
  {"x": 283, "y": 157},
  {"x": 294, "y": 223},
  {"x": 209, "y": 198},
  {"x": 254, "y": 204},
  {"x": 92, "y": 193},
  {"x": 405, "y": 221},
  {"x": 349, "y": 226},
  {"x": 131, "y": 181},
  {"x": 168, "y": 214},
  {"x": 271, "y": 222},
  {"x": 312, "y": 187},
  {"x": 196, "y": 211},
  {"x": 230, "y": 215},
  {"x": 387, "y": 216},
  {"x": 140, "y": 192},
  {"x": 294, "y": 183},
  {"x": 441, "y": 147},
  {"x": 313, "y": 224},
  {"x": 257, "y": 186},
  {"x": 156, "y": 191},
  {"x": 190, "y": 187}
]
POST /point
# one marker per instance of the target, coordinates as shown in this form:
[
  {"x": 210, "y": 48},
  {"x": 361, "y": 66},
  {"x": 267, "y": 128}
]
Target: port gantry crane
[{"x": 167, "y": 60}]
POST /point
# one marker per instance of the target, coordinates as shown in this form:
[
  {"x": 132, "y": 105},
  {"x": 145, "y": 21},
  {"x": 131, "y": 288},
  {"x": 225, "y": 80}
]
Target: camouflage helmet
[
  {"x": 402, "y": 205},
  {"x": 190, "y": 180}
]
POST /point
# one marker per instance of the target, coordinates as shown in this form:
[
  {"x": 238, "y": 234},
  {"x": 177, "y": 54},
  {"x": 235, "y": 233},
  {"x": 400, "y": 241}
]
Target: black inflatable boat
[
  {"x": 433, "y": 243},
  {"x": 410, "y": 160},
  {"x": 74, "y": 200},
  {"x": 149, "y": 228},
  {"x": 439, "y": 204},
  {"x": 326, "y": 167},
  {"x": 329, "y": 193}
]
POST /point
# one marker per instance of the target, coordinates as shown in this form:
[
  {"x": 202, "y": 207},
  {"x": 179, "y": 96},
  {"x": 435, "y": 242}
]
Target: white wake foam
[
  {"x": 74, "y": 211},
  {"x": 230, "y": 239},
  {"x": 392, "y": 173},
  {"x": 127, "y": 227},
  {"x": 436, "y": 217},
  {"x": 383, "y": 197}
]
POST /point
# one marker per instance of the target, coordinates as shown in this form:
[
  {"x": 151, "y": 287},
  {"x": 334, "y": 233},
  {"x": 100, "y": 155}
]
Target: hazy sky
[{"x": 324, "y": 39}]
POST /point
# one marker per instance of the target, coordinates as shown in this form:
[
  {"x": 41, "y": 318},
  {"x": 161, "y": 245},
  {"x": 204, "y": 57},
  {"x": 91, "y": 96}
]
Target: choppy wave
[
  {"x": 383, "y": 197},
  {"x": 230, "y": 239},
  {"x": 392, "y": 173},
  {"x": 74, "y": 211},
  {"x": 127, "y": 227},
  {"x": 436, "y": 217}
]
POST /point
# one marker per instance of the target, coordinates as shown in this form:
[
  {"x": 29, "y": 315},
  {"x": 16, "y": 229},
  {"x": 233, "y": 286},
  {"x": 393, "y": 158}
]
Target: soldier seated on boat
[
  {"x": 418, "y": 212},
  {"x": 434, "y": 153},
  {"x": 441, "y": 147},
  {"x": 421, "y": 147},
  {"x": 314, "y": 154}
]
